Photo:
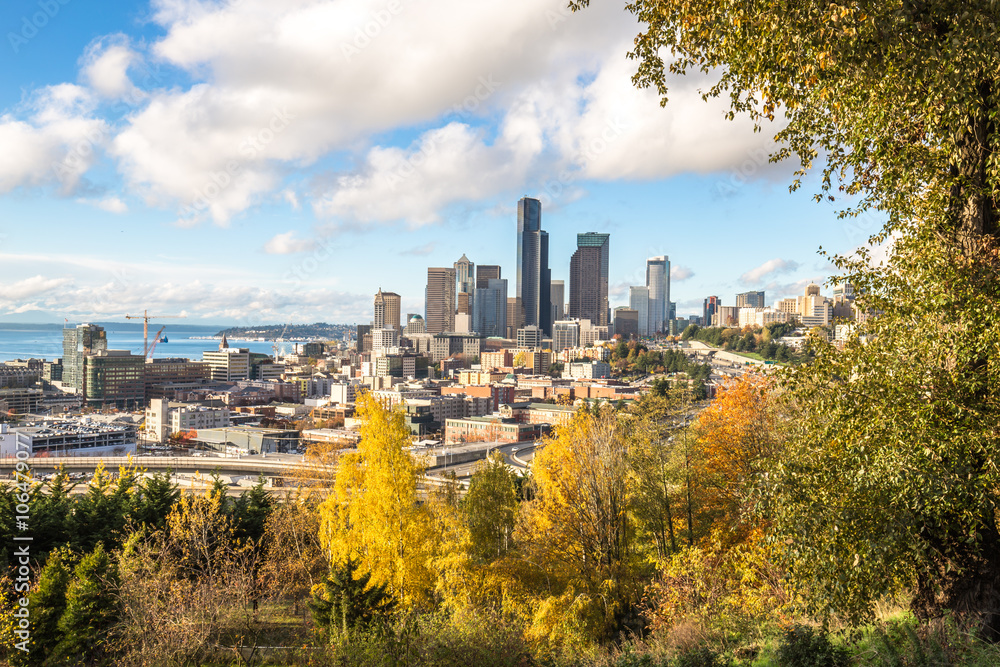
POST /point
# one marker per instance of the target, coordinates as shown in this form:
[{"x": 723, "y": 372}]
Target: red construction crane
[{"x": 146, "y": 317}]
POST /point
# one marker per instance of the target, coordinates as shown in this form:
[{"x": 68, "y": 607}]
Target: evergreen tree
[
  {"x": 90, "y": 612},
  {"x": 48, "y": 603},
  {"x": 347, "y": 601}
]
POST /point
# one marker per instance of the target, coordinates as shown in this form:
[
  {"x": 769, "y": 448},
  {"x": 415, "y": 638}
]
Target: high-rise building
[
  {"x": 114, "y": 377},
  {"x": 588, "y": 278},
  {"x": 515, "y": 316},
  {"x": 386, "y": 311},
  {"x": 533, "y": 274},
  {"x": 638, "y": 300},
  {"x": 750, "y": 300},
  {"x": 489, "y": 312},
  {"x": 709, "y": 309},
  {"x": 465, "y": 275},
  {"x": 557, "y": 290},
  {"x": 77, "y": 343},
  {"x": 658, "y": 282},
  {"x": 440, "y": 300},
  {"x": 485, "y": 273},
  {"x": 626, "y": 322}
]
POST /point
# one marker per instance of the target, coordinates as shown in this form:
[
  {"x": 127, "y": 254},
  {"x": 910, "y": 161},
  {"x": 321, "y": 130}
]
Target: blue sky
[{"x": 249, "y": 161}]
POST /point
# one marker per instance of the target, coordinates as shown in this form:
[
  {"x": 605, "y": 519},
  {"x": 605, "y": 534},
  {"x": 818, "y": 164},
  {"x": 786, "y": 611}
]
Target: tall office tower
[
  {"x": 558, "y": 291},
  {"x": 440, "y": 300},
  {"x": 78, "y": 343},
  {"x": 485, "y": 273},
  {"x": 588, "y": 278},
  {"x": 465, "y": 275},
  {"x": 386, "y": 311},
  {"x": 658, "y": 282},
  {"x": 750, "y": 300},
  {"x": 515, "y": 316},
  {"x": 489, "y": 311},
  {"x": 462, "y": 303},
  {"x": 638, "y": 300},
  {"x": 710, "y": 308},
  {"x": 533, "y": 274}
]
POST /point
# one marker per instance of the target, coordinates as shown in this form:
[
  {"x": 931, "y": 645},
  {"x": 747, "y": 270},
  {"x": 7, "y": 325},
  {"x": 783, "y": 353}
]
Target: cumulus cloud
[
  {"x": 105, "y": 65},
  {"x": 109, "y": 204},
  {"x": 680, "y": 273},
  {"x": 55, "y": 145},
  {"x": 770, "y": 267},
  {"x": 522, "y": 93},
  {"x": 287, "y": 244},
  {"x": 31, "y": 287}
]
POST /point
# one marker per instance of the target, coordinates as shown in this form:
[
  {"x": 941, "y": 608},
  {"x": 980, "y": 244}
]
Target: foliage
[
  {"x": 490, "y": 508},
  {"x": 373, "y": 514},
  {"x": 347, "y": 601},
  {"x": 47, "y": 602},
  {"x": 90, "y": 612},
  {"x": 578, "y": 528},
  {"x": 805, "y": 646},
  {"x": 891, "y": 483}
]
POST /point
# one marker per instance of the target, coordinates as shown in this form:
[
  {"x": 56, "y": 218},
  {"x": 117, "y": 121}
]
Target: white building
[
  {"x": 164, "y": 419},
  {"x": 583, "y": 369}
]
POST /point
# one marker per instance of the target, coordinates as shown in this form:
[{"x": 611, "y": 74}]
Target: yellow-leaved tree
[
  {"x": 373, "y": 514},
  {"x": 579, "y": 531}
]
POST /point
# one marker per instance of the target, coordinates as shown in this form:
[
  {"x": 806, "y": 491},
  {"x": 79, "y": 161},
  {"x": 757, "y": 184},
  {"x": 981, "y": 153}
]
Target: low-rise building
[{"x": 68, "y": 438}]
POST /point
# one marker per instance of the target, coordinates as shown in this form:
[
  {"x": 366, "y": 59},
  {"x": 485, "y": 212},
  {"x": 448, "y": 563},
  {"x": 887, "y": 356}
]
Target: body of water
[{"x": 45, "y": 342}]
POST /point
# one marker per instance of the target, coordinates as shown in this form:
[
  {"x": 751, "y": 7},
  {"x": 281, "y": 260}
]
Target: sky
[{"x": 254, "y": 162}]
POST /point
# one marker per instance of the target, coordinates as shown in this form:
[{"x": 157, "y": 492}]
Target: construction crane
[
  {"x": 152, "y": 346},
  {"x": 146, "y": 317},
  {"x": 278, "y": 341}
]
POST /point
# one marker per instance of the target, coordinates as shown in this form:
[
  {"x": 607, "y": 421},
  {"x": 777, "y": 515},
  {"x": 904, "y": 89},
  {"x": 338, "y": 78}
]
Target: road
[{"x": 465, "y": 470}]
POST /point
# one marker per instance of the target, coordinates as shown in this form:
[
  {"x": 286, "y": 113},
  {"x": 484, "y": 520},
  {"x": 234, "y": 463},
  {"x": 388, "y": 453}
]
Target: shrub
[{"x": 802, "y": 646}]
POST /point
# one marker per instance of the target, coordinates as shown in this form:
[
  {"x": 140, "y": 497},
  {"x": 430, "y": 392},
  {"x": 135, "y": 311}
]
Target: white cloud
[
  {"x": 104, "y": 67},
  {"x": 30, "y": 287},
  {"x": 288, "y": 244},
  {"x": 680, "y": 273},
  {"x": 770, "y": 267},
  {"x": 420, "y": 251},
  {"x": 109, "y": 204},
  {"x": 56, "y": 145}
]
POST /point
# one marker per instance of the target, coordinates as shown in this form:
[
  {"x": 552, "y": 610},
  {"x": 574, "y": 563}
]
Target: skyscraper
[
  {"x": 588, "y": 278},
  {"x": 465, "y": 275},
  {"x": 485, "y": 273},
  {"x": 78, "y": 343},
  {"x": 710, "y": 308},
  {"x": 658, "y": 282},
  {"x": 557, "y": 291},
  {"x": 440, "y": 300},
  {"x": 638, "y": 300},
  {"x": 386, "y": 311},
  {"x": 489, "y": 312},
  {"x": 533, "y": 274}
]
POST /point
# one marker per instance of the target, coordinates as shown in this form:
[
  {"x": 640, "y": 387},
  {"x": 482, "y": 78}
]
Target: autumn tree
[
  {"x": 490, "y": 508},
  {"x": 578, "y": 529},
  {"x": 892, "y": 471},
  {"x": 373, "y": 514}
]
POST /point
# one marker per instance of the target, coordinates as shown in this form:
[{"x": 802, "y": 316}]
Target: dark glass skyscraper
[
  {"x": 533, "y": 274},
  {"x": 588, "y": 278}
]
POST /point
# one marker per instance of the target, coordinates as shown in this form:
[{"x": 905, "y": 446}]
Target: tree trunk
[{"x": 974, "y": 211}]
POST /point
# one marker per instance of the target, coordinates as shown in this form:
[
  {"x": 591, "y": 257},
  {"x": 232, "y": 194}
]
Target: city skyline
[{"x": 142, "y": 152}]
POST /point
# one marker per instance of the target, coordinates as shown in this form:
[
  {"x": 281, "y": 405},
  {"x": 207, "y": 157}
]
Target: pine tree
[
  {"x": 47, "y": 603},
  {"x": 90, "y": 611},
  {"x": 346, "y": 600}
]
